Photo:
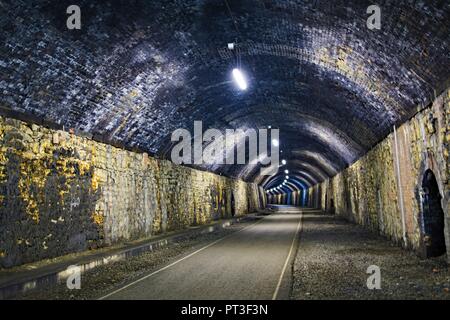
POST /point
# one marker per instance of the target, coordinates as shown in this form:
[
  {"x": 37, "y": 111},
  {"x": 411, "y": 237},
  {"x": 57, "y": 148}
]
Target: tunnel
[{"x": 280, "y": 139}]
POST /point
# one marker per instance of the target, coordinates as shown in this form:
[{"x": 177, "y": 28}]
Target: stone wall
[
  {"x": 293, "y": 198},
  {"x": 62, "y": 193},
  {"x": 386, "y": 197}
]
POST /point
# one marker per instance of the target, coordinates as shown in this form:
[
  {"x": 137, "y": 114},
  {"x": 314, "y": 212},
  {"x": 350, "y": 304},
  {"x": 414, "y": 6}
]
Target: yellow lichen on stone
[
  {"x": 342, "y": 62},
  {"x": 84, "y": 167},
  {"x": 2, "y": 155},
  {"x": 31, "y": 205},
  {"x": 98, "y": 218},
  {"x": 81, "y": 185},
  {"x": 32, "y": 209},
  {"x": 95, "y": 182},
  {"x": 324, "y": 56},
  {"x": 134, "y": 93}
]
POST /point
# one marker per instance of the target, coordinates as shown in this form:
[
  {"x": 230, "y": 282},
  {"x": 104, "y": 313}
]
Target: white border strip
[
  {"x": 277, "y": 289},
  {"x": 176, "y": 262}
]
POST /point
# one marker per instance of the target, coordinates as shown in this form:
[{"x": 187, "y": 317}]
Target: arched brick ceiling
[{"x": 137, "y": 70}]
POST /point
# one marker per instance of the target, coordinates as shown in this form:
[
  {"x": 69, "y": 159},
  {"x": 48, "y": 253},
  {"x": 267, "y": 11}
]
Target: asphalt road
[{"x": 254, "y": 263}]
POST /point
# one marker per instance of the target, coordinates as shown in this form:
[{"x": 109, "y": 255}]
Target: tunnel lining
[{"x": 114, "y": 76}]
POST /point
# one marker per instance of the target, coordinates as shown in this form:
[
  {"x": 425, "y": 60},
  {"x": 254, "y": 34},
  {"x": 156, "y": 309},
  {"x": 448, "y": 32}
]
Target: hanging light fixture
[{"x": 239, "y": 78}]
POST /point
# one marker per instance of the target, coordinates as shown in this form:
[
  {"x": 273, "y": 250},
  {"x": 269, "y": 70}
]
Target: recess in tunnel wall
[
  {"x": 61, "y": 193},
  {"x": 384, "y": 189}
]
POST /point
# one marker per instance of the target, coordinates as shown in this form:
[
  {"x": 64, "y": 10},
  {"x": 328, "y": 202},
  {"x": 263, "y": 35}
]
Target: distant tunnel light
[
  {"x": 275, "y": 142},
  {"x": 283, "y": 162},
  {"x": 240, "y": 79},
  {"x": 287, "y": 177},
  {"x": 286, "y": 171}
]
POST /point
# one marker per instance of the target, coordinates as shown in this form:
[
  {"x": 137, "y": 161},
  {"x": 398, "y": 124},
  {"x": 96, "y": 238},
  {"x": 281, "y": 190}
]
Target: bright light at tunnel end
[{"x": 239, "y": 78}]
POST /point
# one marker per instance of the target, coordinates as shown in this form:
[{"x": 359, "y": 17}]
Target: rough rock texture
[
  {"x": 334, "y": 255},
  {"x": 103, "y": 279},
  {"x": 139, "y": 69},
  {"x": 374, "y": 191},
  {"x": 61, "y": 193},
  {"x": 295, "y": 198}
]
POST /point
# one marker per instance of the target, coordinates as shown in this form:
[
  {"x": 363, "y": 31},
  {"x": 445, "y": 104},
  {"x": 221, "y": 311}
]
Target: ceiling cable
[
  {"x": 236, "y": 48},
  {"x": 232, "y": 17}
]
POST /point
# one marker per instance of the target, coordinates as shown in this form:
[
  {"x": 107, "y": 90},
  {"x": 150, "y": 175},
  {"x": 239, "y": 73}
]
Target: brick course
[
  {"x": 62, "y": 193},
  {"x": 368, "y": 191}
]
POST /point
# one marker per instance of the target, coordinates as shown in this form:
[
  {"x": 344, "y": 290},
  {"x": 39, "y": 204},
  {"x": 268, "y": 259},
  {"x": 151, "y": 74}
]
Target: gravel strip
[
  {"x": 103, "y": 279},
  {"x": 333, "y": 257}
]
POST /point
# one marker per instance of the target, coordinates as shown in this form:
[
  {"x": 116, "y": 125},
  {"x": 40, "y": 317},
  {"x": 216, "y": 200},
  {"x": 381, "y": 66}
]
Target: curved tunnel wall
[
  {"x": 293, "y": 198},
  {"x": 383, "y": 189},
  {"x": 61, "y": 193},
  {"x": 138, "y": 70}
]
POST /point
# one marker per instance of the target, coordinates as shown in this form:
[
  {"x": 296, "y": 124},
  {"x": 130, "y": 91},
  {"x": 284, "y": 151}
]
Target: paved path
[{"x": 254, "y": 263}]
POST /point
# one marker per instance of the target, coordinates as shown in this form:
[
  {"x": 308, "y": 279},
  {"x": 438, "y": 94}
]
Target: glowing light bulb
[
  {"x": 283, "y": 162},
  {"x": 240, "y": 79},
  {"x": 275, "y": 142}
]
